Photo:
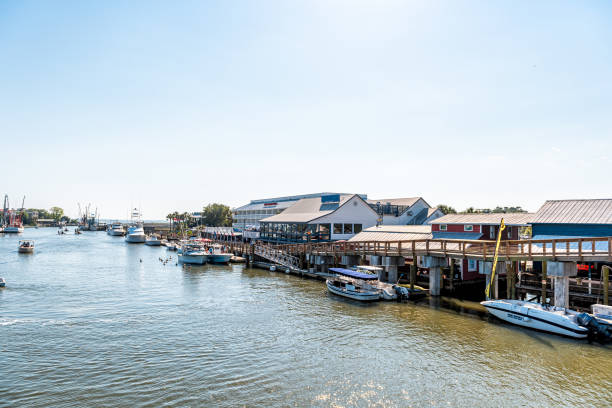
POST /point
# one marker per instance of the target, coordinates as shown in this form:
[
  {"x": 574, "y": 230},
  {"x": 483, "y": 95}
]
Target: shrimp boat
[
  {"x": 354, "y": 285},
  {"x": 192, "y": 254},
  {"x": 535, "y": 316},
  {"x": 26, "y": 246}
]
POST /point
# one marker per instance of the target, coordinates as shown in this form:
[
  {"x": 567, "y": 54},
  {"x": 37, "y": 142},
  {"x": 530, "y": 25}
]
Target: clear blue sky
[{"x": 172, "y": 105}]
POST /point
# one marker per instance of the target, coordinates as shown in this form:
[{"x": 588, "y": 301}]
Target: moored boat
[
  {"x": 152, "y": 240},
  {"x": 26, "y": 246},
  {"x": 535, "y": 316},
  {"x": 2, "y": 283},
  {"x": 115, "y": 230},
  {"x": 135, "y": 233},
  {"x": 217, "y": 254},
  {"x": 354, "y": 285},
  {"x": 192, "y": 254}
]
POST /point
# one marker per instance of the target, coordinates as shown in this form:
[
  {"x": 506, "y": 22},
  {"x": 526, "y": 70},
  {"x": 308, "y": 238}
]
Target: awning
[
  {"x": 456, "y": 235},
  {"x": 354, "y": 274}
]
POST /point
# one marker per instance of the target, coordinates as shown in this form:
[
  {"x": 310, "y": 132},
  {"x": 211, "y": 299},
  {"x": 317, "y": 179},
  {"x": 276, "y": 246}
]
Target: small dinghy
[
  {"x": 2, "y": 283},
  {"x": 152, "y": 240},
  {"x": 354, "y": 285},
  {"x": 535, "y": 316}
]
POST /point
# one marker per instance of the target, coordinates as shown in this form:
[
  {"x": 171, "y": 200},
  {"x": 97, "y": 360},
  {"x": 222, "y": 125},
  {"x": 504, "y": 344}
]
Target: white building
[
  {"x": 325, "y": 218},
  {"x": 404, "y": 211}
]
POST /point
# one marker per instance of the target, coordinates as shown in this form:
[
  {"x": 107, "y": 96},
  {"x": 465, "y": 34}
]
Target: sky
[{"x": 173, "y": 105}]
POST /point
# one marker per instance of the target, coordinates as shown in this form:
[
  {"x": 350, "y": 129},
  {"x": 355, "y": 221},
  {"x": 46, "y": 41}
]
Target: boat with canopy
[{"x": 354, "y": 285}]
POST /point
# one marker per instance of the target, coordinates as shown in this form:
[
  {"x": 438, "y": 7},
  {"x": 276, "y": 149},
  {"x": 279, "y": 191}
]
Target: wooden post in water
[
  {"x": 452, "y": 274},
  {"x": 515, "y": 269},
  {"x": 509, "y": 279},
  {"x": 605, "y": 270},
  {"x": 413, "y": 271},
  {"x": 544, "y": 281}
]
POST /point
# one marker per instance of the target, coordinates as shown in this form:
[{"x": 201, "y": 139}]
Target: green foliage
[
  {"x": 446, "y": 209},
  {"x": 217, "y": 215},
  {"x": 496, "y": 210},
  {"x": 56, "y": 213}
]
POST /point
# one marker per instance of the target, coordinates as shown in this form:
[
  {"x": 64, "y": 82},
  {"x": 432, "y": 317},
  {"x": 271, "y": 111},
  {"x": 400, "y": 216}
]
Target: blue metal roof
[
  {"x": 354, "y": 274},
  {"x": 456, "y": 235},
  {"x": 561, "y": 246}
]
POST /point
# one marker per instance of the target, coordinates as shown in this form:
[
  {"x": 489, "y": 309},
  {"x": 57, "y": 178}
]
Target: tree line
[
  {"x": 447, "y": 209},
  {"x": 213, "y": 215}
]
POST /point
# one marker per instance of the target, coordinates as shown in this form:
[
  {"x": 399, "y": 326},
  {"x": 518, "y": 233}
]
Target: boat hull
[
  {"x": 135, "y": 239},
  {"x": 193, "y": 259},
  {"x": 25, "y": 250},
  {"x": 153, "y": 243},
  {"x": 536, "y": 320},
  {"x": 362, "y": 296},
  {"x": 116, "y": 233},
  {"x": 13, "y": 230},
  {"x": 219, "y": 258}
]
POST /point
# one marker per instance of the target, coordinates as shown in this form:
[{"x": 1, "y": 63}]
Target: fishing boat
[
  {"x": 218, "y": 255},
  {"x": 193, "y": 254},
  {"x": 535, "y": 316},
  {"x": 14, "y": 224},
  {"x": 354, "y": 285},
  {"x": 135, "y": 232},
  {"x": 115, "y": 229},
  {"x": 152, "y": 240},
  {"x": 26, "y": 246}
]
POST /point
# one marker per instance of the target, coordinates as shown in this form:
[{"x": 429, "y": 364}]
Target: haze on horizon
[{"x": 171, "y": 106}]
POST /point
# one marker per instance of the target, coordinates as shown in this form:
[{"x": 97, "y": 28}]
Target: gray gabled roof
[
  {"x": 307, "y": 209},
  {"x": 517, "y": 219},
  {"x": 595, "y": 211}
]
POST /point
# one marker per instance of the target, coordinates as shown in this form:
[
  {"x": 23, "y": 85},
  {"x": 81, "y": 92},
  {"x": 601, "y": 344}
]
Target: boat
[
  {"x": 2, "y": 283},
  {"x": 77, "y": 231},
  {"x": 193, "y": 254},
  {"x": 11, "y": 219},
  {"x": 217, "y": 254},
  {"x": 135, "y": 232},
  {"x": 26, "y": 246},
  {"x": 535, "y": 316},
  {"x": 152, "y": 240},
  {"x": 172, "y": 246},
  {"x": 602, "y": 311},
  {"x": 354, "y": 285},
  {"x": 115, "y": 229}
]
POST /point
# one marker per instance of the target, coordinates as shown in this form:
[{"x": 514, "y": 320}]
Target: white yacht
[
  {"x": 354, "y": 285},
  {"x": 115, "y": 229},
  {"x": 193, "y": 254},
  {"x": 135, "y": 232},
  {"x": 550, "y": 319}
]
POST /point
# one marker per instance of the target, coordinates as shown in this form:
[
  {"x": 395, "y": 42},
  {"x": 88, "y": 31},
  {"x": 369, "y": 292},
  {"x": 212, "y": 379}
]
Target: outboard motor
[
  {"x": 601, "y": 332},
  {"x": 402, "y": 293}
]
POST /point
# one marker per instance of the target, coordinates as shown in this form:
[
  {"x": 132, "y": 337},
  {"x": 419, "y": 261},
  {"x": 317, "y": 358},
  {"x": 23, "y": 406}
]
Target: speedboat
[
  {"x": 2, "y": 283},
  {"x": 116, "y": 230},
  {"x": 192, "y": 254},
  {"x": 217, "y": 254},
  {"x": 535, "y": 316},
  {"x": 171, "y": 246},
  {"x": 26, "y": 247},
  {"x": 354, "y": 285},
  {"x": 14, "y": 229},
  {"x": 152, "y": 240}
]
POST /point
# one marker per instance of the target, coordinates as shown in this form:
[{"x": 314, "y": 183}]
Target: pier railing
[{"x": 569, "y": 249}]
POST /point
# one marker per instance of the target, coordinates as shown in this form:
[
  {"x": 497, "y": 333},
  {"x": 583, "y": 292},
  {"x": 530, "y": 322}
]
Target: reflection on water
[{"x": 91, "y": 320}]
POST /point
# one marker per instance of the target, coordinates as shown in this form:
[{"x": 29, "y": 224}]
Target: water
[{"x": 85, "y": 323}]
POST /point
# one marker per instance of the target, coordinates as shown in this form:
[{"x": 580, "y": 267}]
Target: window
[
  {"x": 509, "y": 232},
  {"x": 356, "y": 228},
  {"x": 492, "y": 232},
  {"x": 348, "y": 228},
  {"x": 337, "y": 228},
  {"x": 468, "y": 228},
  {"x": 472, "y": 265},
  {"x": 443, "y": 227}
]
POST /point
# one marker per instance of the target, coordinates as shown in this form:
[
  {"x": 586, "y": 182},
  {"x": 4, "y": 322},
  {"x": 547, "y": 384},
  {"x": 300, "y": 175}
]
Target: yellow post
[{"x": 502, "y": 227}]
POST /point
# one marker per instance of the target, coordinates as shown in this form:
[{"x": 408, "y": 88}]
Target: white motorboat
[
  {"x": 217, "y": 254},
  {"x": 26, "y": 247},
  {"x": 191, "y": 254},
  {"x": 536, "y": 316},
  {"x": 354, "y": 285},
  {"x": 115, "y": 230},
  {"x": 602, "y": 312},
  {"x": 135, "y": 232},
  {"x": 152, "y": 240},
  {"x": 2, "y": 283}
]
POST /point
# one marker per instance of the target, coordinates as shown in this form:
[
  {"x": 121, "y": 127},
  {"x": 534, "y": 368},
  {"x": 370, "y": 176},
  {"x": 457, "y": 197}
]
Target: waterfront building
[
  {"x": 573, "y": 218},
  {"x": 404, "y": 211},
  {"x": 393, "y": 233},
  {"x": 323, "y": 218},
  {"x": 478, "y": 226}
]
